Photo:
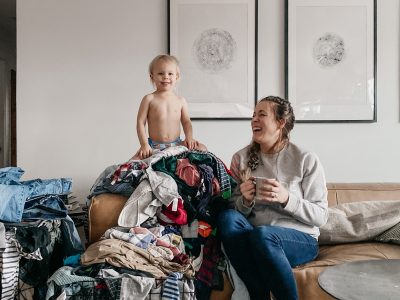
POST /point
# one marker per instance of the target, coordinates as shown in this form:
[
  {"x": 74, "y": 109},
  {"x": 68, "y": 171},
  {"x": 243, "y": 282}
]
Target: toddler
[{"x": 164, "y": 111}]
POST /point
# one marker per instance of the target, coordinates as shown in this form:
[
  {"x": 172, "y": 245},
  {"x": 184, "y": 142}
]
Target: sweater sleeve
[
  {"x": 237, "y": 198},
  {"x": 312, "y": 206}
]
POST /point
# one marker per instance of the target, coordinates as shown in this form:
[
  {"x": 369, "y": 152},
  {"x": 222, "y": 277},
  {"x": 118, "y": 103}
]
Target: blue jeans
[
  {"x": 48, "y": 207},
  {"x": 10, "y": 173},
  {"x": 14, "y": 192},
  {"x": 71, "y": 241},
  {"x": 263, "y": 256}
]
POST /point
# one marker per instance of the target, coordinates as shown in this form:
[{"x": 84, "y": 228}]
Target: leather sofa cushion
[
  {"x": 104, "y": 211},
  {"x": 339, "y": 193},
  {"x": 307, "y": 275}
]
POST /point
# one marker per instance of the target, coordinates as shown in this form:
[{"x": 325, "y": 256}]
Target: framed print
[
  {"x": 331, "y": 60},
  {"x": 215, "y": 43}
]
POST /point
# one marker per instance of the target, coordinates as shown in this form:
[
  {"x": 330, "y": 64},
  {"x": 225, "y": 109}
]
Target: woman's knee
[
  {"x": 230, "y": 221},
  {"x": 264, "y": 238},
  {"x": 226, "y": 217}
]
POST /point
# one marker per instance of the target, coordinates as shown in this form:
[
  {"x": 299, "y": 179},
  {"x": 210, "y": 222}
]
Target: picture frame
[
  {"x": 330, "y": 60},
  {"x": 216, "y": 45}
]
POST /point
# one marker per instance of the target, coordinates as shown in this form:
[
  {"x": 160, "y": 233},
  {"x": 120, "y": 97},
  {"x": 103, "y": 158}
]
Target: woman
[{"x": 265, "y": 236}]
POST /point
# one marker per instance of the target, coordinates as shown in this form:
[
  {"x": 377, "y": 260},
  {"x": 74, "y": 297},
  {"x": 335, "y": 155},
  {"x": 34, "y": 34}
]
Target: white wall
[{"x": 82, "y": 71}]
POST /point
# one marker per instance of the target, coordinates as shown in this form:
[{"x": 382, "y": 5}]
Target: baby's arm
[
  {"x": 187, "y": 126},
  {"x": 145, "y": 149}
]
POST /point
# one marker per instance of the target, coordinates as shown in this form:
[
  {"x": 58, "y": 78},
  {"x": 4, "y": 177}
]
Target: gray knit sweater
[{"x": 307, "y": 208}]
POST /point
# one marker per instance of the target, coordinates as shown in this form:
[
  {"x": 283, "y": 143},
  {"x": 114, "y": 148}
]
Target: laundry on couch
[{"x": 175, "y": 194}]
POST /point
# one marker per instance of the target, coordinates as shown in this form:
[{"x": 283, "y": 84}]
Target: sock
[{"x": 171, "y": 287}]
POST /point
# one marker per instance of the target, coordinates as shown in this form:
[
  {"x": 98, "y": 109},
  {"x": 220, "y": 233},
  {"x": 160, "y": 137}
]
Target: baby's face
[{"x": 164, "y": 75}]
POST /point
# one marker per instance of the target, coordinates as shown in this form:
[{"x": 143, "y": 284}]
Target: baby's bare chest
[{"x": 165, "y": 109}]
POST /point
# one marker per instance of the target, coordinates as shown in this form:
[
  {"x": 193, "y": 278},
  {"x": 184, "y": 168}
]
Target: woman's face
[{"x": 266, "y": 129}]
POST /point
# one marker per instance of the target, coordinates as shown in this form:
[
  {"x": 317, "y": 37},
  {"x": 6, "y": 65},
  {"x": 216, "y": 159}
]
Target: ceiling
[{"x": 8, "y": 17}]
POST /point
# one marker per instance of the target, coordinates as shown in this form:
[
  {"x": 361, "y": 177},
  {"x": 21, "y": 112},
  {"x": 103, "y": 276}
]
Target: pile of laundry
[
  {"x": 36, "y": 232},
  {"x": 169, "y": 219}
]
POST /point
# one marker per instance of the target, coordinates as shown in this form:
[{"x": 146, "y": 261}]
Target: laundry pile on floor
[
  {"x": 36, "y": 233},
  {"x": 166, "y": 229}
]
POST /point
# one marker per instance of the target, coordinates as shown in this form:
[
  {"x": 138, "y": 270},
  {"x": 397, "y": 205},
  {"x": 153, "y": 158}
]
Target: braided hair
[{"x": 283, "y": 111}]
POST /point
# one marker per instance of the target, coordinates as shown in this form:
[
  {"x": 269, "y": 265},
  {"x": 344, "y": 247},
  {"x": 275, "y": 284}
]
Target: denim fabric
[
  {"x": 13, "y": 196},
  {"x": 48, "y": 186},
  {"x": 71, "y": 241},
  {"x": 106, "y": 173},
  {"x": 126, "y": 184},
  {"x": 47, "y": 207},
  {"x": 263, "y": 256},
  {"x": 10, "y": 173},
  {"x": 123, "y": 188},
  {"x": 15, "y": 192}
]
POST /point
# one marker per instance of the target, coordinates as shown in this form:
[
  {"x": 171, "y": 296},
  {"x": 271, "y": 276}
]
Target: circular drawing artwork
[
  {"x": 214, "y": 50},
  {"x": 329, "y": 50}
]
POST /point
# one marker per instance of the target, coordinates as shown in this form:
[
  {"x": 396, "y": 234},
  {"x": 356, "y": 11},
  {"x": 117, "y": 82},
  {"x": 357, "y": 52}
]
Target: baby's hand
[
  {"x": 191, "y": 143},
  {"x": 145, "y": 151}
]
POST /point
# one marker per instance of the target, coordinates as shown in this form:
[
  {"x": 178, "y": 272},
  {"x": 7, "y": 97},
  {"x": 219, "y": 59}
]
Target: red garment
[
  {"x": 168, "y": 216},
  {"x": 182, "y": 259},
  {"x": 205, "y": 229},
  {"x": 117, "y": 173},
  {"x": 188, "y": 172}
]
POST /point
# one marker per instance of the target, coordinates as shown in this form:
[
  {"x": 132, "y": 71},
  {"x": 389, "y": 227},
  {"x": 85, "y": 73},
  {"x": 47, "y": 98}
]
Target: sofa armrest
[{"x": 103, "y": 214}]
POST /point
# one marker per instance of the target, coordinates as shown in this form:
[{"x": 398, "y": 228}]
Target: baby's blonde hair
[{"x": 165, "y": 58}]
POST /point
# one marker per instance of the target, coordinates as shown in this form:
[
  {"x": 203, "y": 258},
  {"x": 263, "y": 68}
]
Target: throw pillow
[
  {"x": 359, "y": 221},
  {"x": 392, "y": 235}
]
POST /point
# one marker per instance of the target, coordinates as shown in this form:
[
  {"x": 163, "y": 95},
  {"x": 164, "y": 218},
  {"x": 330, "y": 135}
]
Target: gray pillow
[
  {"x": 392, "y": 235},
  {"x": 359, "y": 221}
]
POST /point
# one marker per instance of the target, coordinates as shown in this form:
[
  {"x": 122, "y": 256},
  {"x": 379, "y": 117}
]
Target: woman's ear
[{"x": 282, "y": 123}]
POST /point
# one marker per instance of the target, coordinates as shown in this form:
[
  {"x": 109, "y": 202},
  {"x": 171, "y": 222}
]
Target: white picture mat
[
  {"x": 228, "y": 93},
  {"x": 341, "y": 92}
]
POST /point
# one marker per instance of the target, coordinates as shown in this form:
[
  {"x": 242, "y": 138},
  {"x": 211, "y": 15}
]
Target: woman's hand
[
  {"x": 248, "y": 190},
  {"x": 272, "y": 191}
]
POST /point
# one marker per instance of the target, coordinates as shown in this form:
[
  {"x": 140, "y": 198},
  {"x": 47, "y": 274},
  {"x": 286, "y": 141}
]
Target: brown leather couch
[
  {"x": 338, "y": 193},
  {"x": 104, "y": 211}
]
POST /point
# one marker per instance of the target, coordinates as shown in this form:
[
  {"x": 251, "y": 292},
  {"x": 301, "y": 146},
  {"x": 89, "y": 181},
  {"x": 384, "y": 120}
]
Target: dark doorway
[
  {"x": 13, "y": 118},
  {"x": 8, "y": 53}
]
